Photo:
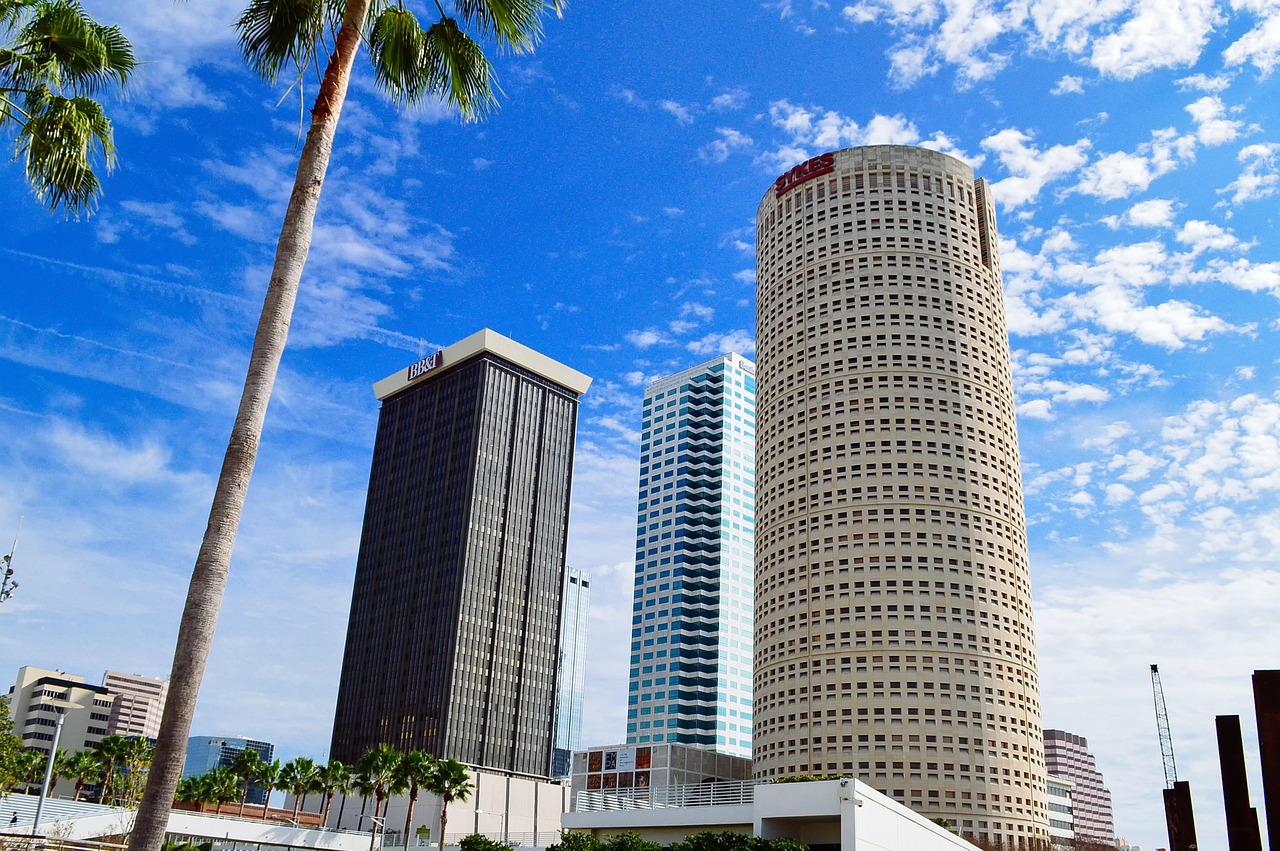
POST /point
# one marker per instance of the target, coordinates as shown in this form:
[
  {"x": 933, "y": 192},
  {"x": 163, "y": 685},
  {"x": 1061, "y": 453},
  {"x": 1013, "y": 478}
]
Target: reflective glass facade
[
  {"x": 453, "y": 640},
  {"x": 691, "y": 629},
  {"x": 573, "y": 670}
]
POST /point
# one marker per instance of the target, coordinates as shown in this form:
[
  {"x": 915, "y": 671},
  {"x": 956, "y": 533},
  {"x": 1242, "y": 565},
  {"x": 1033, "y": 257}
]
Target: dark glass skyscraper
[{"x": 453, "y": 639}]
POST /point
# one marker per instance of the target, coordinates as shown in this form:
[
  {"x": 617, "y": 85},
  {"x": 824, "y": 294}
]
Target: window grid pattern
[
  {"x": 894, "y": 634},
  {"x": 691, "y": 635},
  {"x": 453, "y": 639}
]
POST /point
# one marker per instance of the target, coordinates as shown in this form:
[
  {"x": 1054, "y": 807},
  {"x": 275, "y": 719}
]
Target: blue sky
[{"x": 605, "y": 217}]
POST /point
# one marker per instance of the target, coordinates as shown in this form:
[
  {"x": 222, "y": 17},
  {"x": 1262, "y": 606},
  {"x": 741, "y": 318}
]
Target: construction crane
[
  {"x": 7, "y": 585},
  {"x": 1162, "y": 723},
  {"x": 1178, "y": 815}
]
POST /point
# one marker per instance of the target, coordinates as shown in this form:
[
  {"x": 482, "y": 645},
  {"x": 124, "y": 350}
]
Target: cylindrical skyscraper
[{"x": 894, "y": 638}]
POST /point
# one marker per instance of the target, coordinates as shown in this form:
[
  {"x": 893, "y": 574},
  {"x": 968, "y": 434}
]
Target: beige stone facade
[{"x": 894, "y": 636}]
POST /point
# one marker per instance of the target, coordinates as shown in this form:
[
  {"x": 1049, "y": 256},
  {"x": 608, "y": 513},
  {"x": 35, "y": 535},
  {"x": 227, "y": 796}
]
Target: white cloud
[
  {"x": 1260, "y": 177},
  {"x": 683, "y": 114},
  {"x": 1260, "y": 46},
  {"x": 1212, "y": 125},
  {"x": 1167, "y": 34},
  {"x": 1069, "y": 85},
  {"x": 731, "y": 99},
  {"x": 647, "y": 338},
  {"x": 1121, "y": 174},
  {"x": 730, "y": 140},
  {"x": 1153, "y": 213},
  {"x": 1030, "y": 168},
  {"x": 1204, "y": 83},
  {"x": 740, "y": 341},
  {"x": 1206, "y": 236}
]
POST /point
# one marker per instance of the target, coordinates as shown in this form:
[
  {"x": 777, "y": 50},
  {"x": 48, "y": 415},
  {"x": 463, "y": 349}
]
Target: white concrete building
[
  {"x": 40, "y": 695},
  {"x": 139, "y": 703},
  {"x": 844, "y": 814},
  {"x": 894, "y": 635}
]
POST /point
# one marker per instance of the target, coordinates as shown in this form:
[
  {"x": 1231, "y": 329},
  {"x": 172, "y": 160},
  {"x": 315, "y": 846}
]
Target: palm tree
[
  {"x": 412, "y": 64},
  {"x": 378, "y": 772},
  {"x": 85, "y": 768},
  {"x": 334, "y": 778},
  {"x": 30, "y": 765},
  {"x": 300, "y": 776},
  {"x": 53, "y": 59},
  {"x": 189, "y": 791},
  {"x": 221, "y": 784},
  {"x": 448, "y": 779},
  {"x": 245, "y": 764},
  {"x": 268, "y": 774},
  {"x": 414, "y": 770},
  {"x": 110, "y": 751},
  {"x": 137, "y": 761},
  {"x": 61, "y": 768}
]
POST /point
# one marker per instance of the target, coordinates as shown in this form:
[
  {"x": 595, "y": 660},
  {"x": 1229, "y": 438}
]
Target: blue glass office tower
[
  {"x": 572, "y": 677},
  {"x": 691, "y": 633},
  {"x": 205, "y": 753}
]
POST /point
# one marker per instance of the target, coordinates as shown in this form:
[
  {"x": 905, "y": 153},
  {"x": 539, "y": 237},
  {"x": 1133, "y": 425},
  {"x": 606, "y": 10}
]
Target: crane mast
[
  {"x": 1178, "y": 813},
  {"x": 1162, "y": 723}
]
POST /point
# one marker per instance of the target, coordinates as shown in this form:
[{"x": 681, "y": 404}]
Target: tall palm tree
[
  {"x": 414, "y": 770},
  {"x": 245, "y": 764},
  {"x": 449, "y": 780},
  {"x": 300, "y": 776},
  {"x": 85, "y": 769},
  {"x": 61, "y": 768},
  {"x": 334, "y": 778},
  {"x": 412, "y": 64},
  {"x": 53, "y": 59},
  {"x": 268, "y": 774},
  {"x": 378, "y": 770}
]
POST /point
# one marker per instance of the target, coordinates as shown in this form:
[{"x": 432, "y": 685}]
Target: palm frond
[
  {"x": 62, "y": 47},
  {"x": 396, "y": 47},
  {"x": 459, "y": 71},
  {"x": 515, "y": 25},
  {"x": 276, "y": 35},
  {"x": 58, "y": 144}
]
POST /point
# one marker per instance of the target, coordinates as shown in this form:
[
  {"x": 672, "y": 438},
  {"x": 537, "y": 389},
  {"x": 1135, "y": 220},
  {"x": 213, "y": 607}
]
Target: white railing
[{"x": 719, "y": 794}]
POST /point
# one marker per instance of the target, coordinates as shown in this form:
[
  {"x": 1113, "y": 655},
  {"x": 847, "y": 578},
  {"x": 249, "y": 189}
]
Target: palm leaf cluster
[{"x": 54, "y": 61}]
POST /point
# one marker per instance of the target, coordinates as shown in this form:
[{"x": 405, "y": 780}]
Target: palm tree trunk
[
  {"x": 408, "y": 819},
  {"x": 444, "y": 820},
  {"x": 209, "y": 578}
]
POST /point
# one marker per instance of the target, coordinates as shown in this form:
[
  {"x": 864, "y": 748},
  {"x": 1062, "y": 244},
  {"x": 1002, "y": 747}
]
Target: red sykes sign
[
  {"x": 807, "y": 170},
  {"x": 427, "y": 364}
]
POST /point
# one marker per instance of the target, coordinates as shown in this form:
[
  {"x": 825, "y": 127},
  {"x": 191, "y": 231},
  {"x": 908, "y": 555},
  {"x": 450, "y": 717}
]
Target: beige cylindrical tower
[{"x": 894, "y": 639}]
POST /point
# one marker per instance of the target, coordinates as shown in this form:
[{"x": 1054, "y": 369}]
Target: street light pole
[
  {"x": 373, "y": 831},
  {"x": 48, "y": 772},
  {"x": 7, "y": 585}
]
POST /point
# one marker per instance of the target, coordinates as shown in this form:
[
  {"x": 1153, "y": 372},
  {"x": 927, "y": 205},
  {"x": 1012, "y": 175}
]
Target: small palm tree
[
  {"x": 53, "y": 59},
  {"x": 267, "y": 774},
  {"x": 85, "y": 768},
  {"x": 451, "y": 782},
  {"x": 414, "y": 770},
  {"x": 222, "y": 784},
  {"x": 300, "y": 776},
  {"x": 29, "y": 767},
  {"x": 111, "y": 753},
  {"x": 334, "y": 778},
  {"x": 61, "y": 768},
  {"x": 189, "y": 791},
  {"x": 246, "y": 765}
]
